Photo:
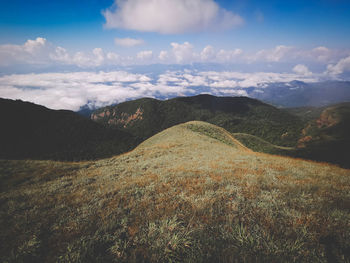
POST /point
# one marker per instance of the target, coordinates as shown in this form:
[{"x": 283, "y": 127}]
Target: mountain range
[
  {"x": 302, "y": 94},
  {"x": 146, "y": 117},
  {"x": 35, "y": 132},
  {"x": 191, "y": 179}
]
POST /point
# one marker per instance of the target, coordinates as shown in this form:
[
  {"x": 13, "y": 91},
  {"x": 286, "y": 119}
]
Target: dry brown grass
[{"x": 179, "y": 196}]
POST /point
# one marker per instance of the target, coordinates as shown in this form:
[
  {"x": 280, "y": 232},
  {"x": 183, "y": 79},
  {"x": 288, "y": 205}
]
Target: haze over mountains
[{"x": 96, "y": 89}]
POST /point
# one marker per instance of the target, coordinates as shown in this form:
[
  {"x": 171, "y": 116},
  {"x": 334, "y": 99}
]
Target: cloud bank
[
  {"x": 97, "y": 89},
  {"x": 340, "y": 67},
  {"x": 41, "y": 54},
  {"x": 169, "y": 16},
  {"x": 302, "y": 70}
]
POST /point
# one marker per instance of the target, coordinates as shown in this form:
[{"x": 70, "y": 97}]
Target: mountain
[
  {"x": 327, "y": 137},
  {"x": 191, "y": 193},
  {"x": 145, "y": 117},
  {"x": 324, "y": 138},
  {"x": 85, "y": 111},
  {"x": 32, "y": 131},
  {"x": 302, "y": 94}
]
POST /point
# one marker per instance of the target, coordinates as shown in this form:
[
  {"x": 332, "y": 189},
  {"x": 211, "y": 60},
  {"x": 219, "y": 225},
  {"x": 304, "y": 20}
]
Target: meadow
[{"x": 191, "y": 193}]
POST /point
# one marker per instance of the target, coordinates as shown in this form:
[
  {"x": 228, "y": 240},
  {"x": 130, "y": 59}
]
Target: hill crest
[{"x": 146, "y": 117}]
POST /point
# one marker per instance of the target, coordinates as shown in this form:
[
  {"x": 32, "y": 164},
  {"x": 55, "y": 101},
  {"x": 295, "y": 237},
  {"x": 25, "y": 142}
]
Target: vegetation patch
[{"x": 181, "y": 196}]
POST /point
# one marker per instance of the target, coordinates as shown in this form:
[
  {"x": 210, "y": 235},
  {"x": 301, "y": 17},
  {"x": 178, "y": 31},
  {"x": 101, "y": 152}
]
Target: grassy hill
[
  {"x": 325, "y": 137},
  {"x": 191, "y": 193},
  {"x": 145, "y": 117},
  {"x": 33, "y": 131}
]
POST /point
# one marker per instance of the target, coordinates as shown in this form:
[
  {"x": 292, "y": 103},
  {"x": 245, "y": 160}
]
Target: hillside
[
  {"x": 191, "y": 193},
  {"x": 33, "y": 131},
  {"x": 327, "y": 137},
  {"x": 258, "y": 145},
  {"x": 145, "y": 117}
]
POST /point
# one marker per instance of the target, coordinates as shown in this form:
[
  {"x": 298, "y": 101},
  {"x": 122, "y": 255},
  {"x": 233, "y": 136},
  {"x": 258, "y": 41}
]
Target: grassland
[{"x": 191, "y": 193}]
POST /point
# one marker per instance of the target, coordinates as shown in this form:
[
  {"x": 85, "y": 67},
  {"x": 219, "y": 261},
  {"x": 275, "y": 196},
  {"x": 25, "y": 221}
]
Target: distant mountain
[
  {"x": 301, "y": 94},
  {"x": 146, "y": 117},
  {"x": 32, "y": 131},
  {"x": 85, "y": 111}
]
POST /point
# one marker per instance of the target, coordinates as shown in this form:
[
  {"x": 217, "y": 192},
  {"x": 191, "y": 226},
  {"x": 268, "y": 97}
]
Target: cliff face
[{"x": 122, "y": 119}]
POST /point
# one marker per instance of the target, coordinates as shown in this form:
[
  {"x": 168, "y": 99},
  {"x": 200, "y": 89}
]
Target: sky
[{"x": 63, "y": 54}]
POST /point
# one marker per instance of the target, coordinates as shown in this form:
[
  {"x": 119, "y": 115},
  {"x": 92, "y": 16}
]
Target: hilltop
[
  {"x": 191, "y": 193},
  {"x": 34, "y": 132},
  {"x": 145, "y": 117}
]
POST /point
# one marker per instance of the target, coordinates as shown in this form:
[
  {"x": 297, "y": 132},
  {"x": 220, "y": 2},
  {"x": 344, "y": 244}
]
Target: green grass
[
  {"x": 189, "y": 194},
  {"x": 260, "y": 145}
]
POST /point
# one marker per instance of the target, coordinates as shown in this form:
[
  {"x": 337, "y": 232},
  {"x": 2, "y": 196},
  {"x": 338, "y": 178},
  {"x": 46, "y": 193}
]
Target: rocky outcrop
[
  {"x": 123, "y": 119},
  {"x": 327, "y": 119},
  {"x": 302, "y": 141}
]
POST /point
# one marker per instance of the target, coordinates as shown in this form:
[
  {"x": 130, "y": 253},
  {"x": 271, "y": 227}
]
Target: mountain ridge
[{"x": 145, "y": 117}]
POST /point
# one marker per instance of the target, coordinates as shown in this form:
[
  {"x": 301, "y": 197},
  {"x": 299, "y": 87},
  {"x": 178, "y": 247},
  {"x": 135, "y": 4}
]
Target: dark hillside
[
  {"x": 145, "y": 117},
  {"x": 327, "y": 137},
  {"x": 32, "y": 131}
]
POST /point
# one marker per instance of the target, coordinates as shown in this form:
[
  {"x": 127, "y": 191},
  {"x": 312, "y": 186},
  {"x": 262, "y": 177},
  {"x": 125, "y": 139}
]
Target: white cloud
[
  {"x": 224, "y": 84},
  {"x": 111, "y": 56},
  {"x": 272, "y": 55},
  {"x": 60, "y": 54},
  {"x": 208, "y": 53},
  {"x": 195, "y": 80},
  {"x": 128, "y": 42},
  {"x": 230, "y": 92},
  {"x": 231, "y": 79},
  {"x": 31, "y": 52},
  {"x": 340, "y": 67},
  {"x": 229, "y": 55},
  {"x": 33, "y": 46},
  {"x": 321, "y": 53},
  {"x": 183, "y": 53},
  {"x": 163, "y": 55},
  {"x": 40, "y": 54},
  {"x": 301, "y": 69},
  {"x": 145, "y": 55},
  {"x": 169, "y": 16},
  {"x": 73, "y": 90},
  {"x": 86, "y": 60}
]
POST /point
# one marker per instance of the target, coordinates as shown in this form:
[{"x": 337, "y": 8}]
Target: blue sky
[
  {"x": 305, "y": 39},
  {"x": 78, "y": 25}
]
